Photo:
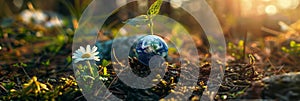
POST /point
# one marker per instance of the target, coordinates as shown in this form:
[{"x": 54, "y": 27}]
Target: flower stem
[{"x": 90, "y": 67}]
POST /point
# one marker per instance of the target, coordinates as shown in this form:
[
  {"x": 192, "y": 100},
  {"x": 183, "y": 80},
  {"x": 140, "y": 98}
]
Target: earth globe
[{"x": 149, "y": 46}]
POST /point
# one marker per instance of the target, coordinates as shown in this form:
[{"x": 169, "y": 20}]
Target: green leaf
[
  {"x": 293, "y": 44},
  {"x": 251, "y": 59},
  {"x": 105, "y": 63},
  {"x": 69, "y": 59},
  {"x": 46, "y": 63},
  {"x": 23, "y": 64},
  {"x": 16, "y": 65},
  {"x": 8, "y": 85},
  {"x": 241, "y": 44},
  {"x": 105, "y": 71},
  {"x": 155, "y": 7},
  {"x": 284, "y": 49},
  {"x": 137, "y": 21},
  {"x": 230, "y": 45}
]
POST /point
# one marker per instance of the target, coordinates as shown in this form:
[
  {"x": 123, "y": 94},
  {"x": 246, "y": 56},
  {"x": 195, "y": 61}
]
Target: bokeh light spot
[{"x": 271, "y": 9}]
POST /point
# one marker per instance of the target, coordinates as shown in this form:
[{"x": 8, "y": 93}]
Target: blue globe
[{"x": 148, "y": 46}]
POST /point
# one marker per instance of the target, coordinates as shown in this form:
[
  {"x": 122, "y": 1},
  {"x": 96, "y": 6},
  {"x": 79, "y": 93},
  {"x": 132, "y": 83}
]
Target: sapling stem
[
  {"x": 151, "y": 24},
  {"x": 153, "y": 11}
]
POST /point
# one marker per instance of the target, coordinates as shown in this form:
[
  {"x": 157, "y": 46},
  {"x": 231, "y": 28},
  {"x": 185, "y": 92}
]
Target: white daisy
[
  {"x": 55, "y": 21},
  {"x": 82, "y": 54},
  {"x": 36, "y": 16}
]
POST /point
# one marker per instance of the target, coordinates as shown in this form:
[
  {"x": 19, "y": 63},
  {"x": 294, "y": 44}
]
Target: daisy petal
[
  {"x": 88, "y": 48},
  {"x": 92, "y": 52},
  {"x": 95, "y": 53},
  {"x": 82, "y": 49},
  {"x": 75, "y": 56},
  {"x": 96, "y": 59},
  {"x": 76, "y": 60},
  {"x": 78, "y": 51},
  {"x": 94, "y": 49}
]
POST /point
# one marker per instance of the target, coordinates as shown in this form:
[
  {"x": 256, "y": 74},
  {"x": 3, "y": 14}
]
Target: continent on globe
[{"x": 148, "y": 46}]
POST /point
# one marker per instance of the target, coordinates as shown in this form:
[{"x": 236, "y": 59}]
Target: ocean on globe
[{"x": 148, "y": 46}]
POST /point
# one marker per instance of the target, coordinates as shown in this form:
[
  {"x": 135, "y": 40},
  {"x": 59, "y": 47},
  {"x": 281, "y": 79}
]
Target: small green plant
[
  {"x": 65, "y": 89},
  {"x": 147, "y": 19},
  {"x": 46, "y": 63},
  {"x": 104, "y": 64},
  {"x": 236, "y": 50},
  {"x": 153, "y": 11},
  {"x": 293, "y": 49}
]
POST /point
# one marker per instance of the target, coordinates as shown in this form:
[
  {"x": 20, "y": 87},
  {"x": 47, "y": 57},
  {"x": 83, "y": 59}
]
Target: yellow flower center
[{"x": 87, "y": 55}]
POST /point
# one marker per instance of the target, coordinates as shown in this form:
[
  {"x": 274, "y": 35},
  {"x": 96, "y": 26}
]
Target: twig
[
  {"x": 114, "y": 80},
  {"x": 244, "y": 46},
  {"x": 113, "y": 50},
  {"x": 280, "y": 69},
  {"x": 268, "y": 30},
  {"x": 25, "y": 72},
  {"x": 77, "y": 98},
  {"x": 3, "y": 88},
  {"x": 108, "y": 96}
]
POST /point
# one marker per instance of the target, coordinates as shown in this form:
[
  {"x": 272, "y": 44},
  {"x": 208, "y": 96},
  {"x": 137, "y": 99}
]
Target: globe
[{"x": 148, "y": 46}]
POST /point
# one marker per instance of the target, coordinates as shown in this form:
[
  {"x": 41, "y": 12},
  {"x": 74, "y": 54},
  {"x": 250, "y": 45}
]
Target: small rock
[{"x": 283, "y": 87}]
